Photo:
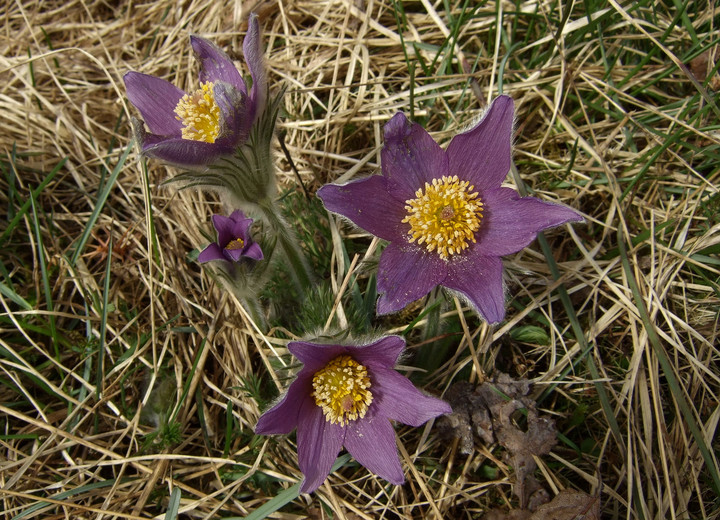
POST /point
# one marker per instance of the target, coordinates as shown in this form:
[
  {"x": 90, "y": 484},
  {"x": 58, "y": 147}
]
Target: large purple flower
[
  {"x": 233, "y": 240},
  {"x": 346, "y": 396},
  {"x": 444, "y": 213},
  {"x": 192, "y": 129}
]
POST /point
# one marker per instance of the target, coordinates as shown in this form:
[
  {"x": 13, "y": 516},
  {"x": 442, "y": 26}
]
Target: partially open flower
[
  {"x": 194, "y": 128},
  {"x": 446, "y": 216},
  {"x": 234, "y": 242},
  {"x": 346, "y": 395}
]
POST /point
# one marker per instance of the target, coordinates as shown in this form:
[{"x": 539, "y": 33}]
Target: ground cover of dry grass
[{"x": 130, "y": 382}]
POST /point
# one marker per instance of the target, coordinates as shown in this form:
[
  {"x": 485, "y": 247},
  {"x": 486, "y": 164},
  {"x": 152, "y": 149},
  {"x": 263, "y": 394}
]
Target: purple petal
[
  {"x": 410, "y": 157},
  {"x": 482, "y": 154},
  {"x": 234, "y": 254},
  {"x": 406, "y": 273},
  {"x": 397, "y": 398},
  {"x": 234, "y": 114},
  {"x": 371, "y": 441},
  {"x": 479, "y": 279},
  {"x": 184, "y": 152},
  {"x": 224, "y": 227},
  {"x": 511, "y": 222},
  {"x": 238, "y": 215},
  {"x": 240, "y": 227},
  {"x": 156, "y": 100},
  {"x": 215, "y": 65},
  {"x": 369, "y": 205},
  {"x": 254, "y": 57},
  {"x": 314, "y": 356},
  {"x": 211, "y": 252},
  {"x": 253, "y": 251},
  {"x": 318, "y": 442},
  {"x": 283, "y": 417},
  {"x": 384, "y": 353}
]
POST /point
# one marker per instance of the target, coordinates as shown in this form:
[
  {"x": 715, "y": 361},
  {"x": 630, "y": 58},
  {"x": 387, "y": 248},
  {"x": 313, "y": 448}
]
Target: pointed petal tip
[
  {"x": 371, "y": 441},
  {"x": 215, "y": 64},
  {"x": 398, "y": 399},
  {"x": 129, "y": 76},
  {"x": 368, "y": 204},
  {"x": 479, "y": 280},
  {"x": 255, "y": 60},
  {"x": 318, "y": 442},
  {"x": 504, "y": 101},
  {"x": 397, "y": 127}
]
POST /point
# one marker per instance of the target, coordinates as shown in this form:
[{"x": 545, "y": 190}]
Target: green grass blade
[
  {"x": 62, "y": 496},
  {"x": 33, "y": 195},
  {"x": 680, "y": 398},
  {"x": 174, "y": 504},
  {"x": 10, "y": 293},
  {"x": 100, "y": 373},
  {"x": 286, "y": 496},
  {"x": 45, "y": 278},
  {"x": 100, "y": 204}
]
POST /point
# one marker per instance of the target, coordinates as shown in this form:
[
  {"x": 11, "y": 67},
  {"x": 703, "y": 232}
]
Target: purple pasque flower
[
  {"x": 234, "y": 242},
  {"x": 446, "y": 216},
  {"x": 194, "y": 128},
  {"x": 346, "y": 395}
]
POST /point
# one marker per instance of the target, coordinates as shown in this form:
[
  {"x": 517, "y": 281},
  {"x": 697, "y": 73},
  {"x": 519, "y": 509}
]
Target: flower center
[
  {"x": 341, "y": 390},
  {"x": 444, "y": 216},
  {"x": 199, "y": 114},
  {"x": 237, "y": 243}
]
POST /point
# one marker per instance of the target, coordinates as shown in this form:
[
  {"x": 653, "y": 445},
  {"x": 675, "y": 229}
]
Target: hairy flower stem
[
  {"x": 287, "y": 240},
  {"x": 252, "y": 305}
]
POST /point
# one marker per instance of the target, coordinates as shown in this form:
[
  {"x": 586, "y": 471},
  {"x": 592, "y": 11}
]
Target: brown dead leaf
[
  {"x": 568, "y": 505},
  {"x": 500, "y": 411},
  {"x": 701, "y": 65}
]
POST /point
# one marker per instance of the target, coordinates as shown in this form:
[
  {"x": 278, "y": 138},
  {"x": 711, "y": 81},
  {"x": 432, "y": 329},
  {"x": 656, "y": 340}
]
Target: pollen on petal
[
  {"x": 199, "y": 114},
  {"x": 444, "y": 215},
  {"x": 342, "y": 390}
]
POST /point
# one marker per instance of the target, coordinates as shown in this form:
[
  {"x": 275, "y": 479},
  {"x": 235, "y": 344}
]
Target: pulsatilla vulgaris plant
[
  {"x": 444, "y": 212},
  {"x": 220, "y": 135},
  {"x": 346, "y": 395},
  {"x": 236, "y": 256}
]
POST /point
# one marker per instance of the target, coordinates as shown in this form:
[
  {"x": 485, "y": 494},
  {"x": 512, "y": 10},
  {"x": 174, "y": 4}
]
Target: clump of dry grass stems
[{"x": 609, "y": 120}]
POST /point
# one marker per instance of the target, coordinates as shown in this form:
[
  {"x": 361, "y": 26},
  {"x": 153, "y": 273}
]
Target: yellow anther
[
  {"x": 237, "y": 243},
  {"x": 444, "y": 215},
  {"x": 199, "y": 114},
  {"x": 341, "y": 389}
]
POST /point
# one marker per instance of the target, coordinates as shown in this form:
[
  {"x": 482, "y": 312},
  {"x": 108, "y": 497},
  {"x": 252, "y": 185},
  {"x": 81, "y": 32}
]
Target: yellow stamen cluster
[
  {"x": 237, "y": 243},
  {"x": 444, "y": 215},
  {"x": 199, "y": 114},
  {"x": 341, "y": 389}
]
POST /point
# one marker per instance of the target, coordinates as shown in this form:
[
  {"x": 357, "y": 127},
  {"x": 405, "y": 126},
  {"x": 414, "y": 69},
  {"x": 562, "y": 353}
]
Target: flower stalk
[{"x": 287, "y": 241}]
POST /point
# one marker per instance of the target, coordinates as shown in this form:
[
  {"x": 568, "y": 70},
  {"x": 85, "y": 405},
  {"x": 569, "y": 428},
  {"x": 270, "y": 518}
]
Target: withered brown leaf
[{"x": 494, "y": 412}]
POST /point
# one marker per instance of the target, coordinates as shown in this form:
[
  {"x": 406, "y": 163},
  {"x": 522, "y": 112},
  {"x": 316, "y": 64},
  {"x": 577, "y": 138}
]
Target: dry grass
[{"x": 607, "y": 122}]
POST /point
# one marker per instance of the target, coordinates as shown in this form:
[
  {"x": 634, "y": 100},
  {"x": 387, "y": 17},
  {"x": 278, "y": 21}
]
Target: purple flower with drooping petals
[
  {"x": 234, "y": 242},
  {"x": 193, "y": 129},
  {"x": 446, "y": 216},
  {"x": 346, "y": 395}
]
